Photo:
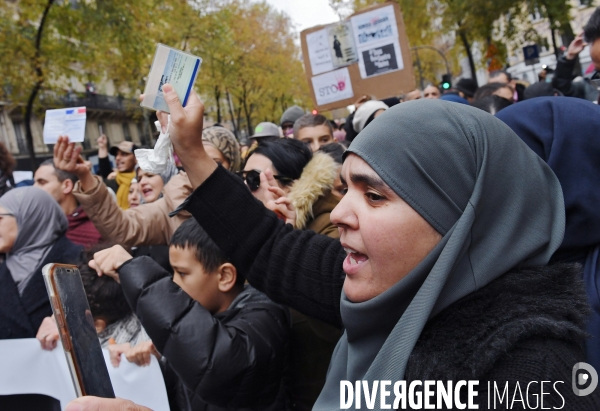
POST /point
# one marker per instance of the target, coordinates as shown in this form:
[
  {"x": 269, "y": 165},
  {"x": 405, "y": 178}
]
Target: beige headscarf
[{"x": 224, "y": 141}]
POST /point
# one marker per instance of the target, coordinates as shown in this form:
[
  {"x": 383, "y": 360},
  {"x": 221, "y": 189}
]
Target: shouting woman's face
[
  {"x": 150, "y": 185},
  {"x": 383, "y": 236}
]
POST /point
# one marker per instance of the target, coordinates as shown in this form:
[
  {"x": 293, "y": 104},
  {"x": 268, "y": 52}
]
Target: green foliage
[{"x": 248, "y": 50}]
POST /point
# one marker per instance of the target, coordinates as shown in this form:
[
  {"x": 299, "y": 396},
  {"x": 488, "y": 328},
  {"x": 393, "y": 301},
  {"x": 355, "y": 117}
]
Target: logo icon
[{"x": 585, "y": 379}]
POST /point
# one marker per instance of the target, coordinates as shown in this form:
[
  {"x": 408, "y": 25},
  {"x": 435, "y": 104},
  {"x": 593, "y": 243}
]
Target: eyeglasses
[{"x": 252, "y": 179}]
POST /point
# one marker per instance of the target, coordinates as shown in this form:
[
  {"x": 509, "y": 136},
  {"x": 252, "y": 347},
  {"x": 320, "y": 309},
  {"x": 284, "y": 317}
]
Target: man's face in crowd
[
  {"x": 595, "y": 53},
  {"x": 125, "y": 161},
  {"x": 431, "y": 92},
  {"x": 315, "y": 137},
  {"x": 46, "y": 179},
  {"x": 413, "y": 95}
]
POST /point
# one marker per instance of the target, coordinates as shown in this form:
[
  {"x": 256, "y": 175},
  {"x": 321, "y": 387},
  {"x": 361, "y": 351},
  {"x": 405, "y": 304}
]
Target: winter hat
[
  {"x": 467, "y": 86},
  {"x": 365, "y": 114},
  {"x": 291, "y": 115}
]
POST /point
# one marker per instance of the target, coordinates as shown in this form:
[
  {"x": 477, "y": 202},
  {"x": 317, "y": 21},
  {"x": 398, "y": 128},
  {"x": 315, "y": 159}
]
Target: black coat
[
  {"x": 233, "y": 360},
  {"x": 524, "y": 326},
  {"x": 21, "y": 316}
]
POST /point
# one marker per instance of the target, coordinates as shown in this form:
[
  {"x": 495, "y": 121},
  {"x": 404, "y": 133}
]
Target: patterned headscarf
[{"x": 224, "y": 141}]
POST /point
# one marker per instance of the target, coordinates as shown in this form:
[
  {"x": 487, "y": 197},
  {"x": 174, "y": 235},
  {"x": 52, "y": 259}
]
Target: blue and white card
[
  {"x": 68, "y": 122},
  {"x": 171, "y": 66}
]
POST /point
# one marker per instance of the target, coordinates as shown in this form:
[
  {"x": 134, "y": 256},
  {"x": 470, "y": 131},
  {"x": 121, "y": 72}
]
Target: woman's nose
[{"x": 343, "y": 214}]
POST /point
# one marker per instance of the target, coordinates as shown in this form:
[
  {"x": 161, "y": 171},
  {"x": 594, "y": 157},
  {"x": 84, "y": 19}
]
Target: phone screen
[{"x": 78, "y": 333}]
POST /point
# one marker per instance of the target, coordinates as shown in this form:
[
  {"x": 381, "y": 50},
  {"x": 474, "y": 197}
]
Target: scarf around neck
[
  {"x": 124, "y": 181},
  {"x": 497, "y": 205}
]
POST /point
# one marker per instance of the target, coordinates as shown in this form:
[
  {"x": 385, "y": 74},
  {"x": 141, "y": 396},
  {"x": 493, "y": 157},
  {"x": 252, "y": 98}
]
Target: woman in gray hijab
[
  {"x": 32, "y": 234},
  {"x": 447, "y": 226}
]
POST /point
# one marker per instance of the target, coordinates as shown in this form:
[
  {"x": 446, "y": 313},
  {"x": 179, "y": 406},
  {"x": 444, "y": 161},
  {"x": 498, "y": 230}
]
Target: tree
[{"x": 46, "y": 45}]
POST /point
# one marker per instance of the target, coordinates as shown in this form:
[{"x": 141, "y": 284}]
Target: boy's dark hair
[
  {"x": 591, "y": 31},
  {"x": 489, "y": 90},
  {"x": 289, "y": 156},
  {"x": 191, "y": 235},
  {"x": 60, "y": 174},
  {"x": 311, "y": 120},
  {"x": 335, "y": 150},
  {"x": 492, "y": 104},
  {"x": 105, "y": 296}
]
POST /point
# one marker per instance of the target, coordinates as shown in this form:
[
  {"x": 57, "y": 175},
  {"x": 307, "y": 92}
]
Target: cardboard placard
[{"x": 384, "y": 67}]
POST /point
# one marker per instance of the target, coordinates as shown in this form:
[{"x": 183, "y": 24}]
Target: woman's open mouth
[{"x": 353, "y": 261}]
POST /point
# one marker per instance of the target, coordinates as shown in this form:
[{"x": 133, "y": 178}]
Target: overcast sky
[{"x": 306, "y": 13}]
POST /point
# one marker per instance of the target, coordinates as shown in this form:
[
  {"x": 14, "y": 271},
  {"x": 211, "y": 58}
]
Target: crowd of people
[{"x": 456, "y": 237}]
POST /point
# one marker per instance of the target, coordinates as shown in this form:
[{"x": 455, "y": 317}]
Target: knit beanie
[
  {"x": 365, "y": 112},
  {"x": 291, "y": 115}
]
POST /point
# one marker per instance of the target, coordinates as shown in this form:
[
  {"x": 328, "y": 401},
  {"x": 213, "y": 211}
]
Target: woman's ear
[{"x": 227, "y": 277}]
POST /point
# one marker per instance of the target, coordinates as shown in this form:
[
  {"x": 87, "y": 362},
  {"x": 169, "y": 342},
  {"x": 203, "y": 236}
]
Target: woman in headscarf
[
  {"x": 563, "y": 131},
  {"x": 151, "y": 185},
  {"x": 32, "y": 234},
  {"x": 447, "y": 226}
]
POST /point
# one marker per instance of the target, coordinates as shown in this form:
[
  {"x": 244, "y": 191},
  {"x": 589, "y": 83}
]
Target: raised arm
[
  {"x": 148, "y": 224},
  {"x": 297, "y": 268}
]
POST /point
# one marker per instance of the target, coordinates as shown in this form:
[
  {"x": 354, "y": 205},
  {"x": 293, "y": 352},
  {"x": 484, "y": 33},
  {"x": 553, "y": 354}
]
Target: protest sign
[
  {"x": 65, "y": 122},
  {"x": 382, "y": 66},
  {"x": 25, "y": 368}
]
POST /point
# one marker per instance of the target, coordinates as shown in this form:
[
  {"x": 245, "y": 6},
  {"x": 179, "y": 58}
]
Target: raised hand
[
  {"x": 67, "y": 157},
  {"x": 102, "y": 142},
  {"x": 109, "y": 260},
  {"x": 275, "y": 198},
  {"x": 185, "y": 131},
  {"x": 576, "y": 47}
]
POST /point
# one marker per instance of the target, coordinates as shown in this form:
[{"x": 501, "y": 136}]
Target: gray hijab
[
  {"x": 40, "y": 221},
  {"x": 497, "y": 205}
]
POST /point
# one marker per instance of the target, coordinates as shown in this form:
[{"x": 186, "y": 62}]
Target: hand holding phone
[{"x": 77, "y": 332}]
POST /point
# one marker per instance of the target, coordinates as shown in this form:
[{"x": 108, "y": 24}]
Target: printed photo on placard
[
  {"x": 380, "y": 59},
  {"x": 333, "y": 86},
  {"x": 374, "y": 26},
  {"x": 342, "y": 47},
  {"x": 319, "y": 54}
]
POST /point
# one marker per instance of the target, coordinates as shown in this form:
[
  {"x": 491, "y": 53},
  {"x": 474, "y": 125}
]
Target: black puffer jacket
[
  {"x": 524, "y": 326},
  {"x": 233, "y": 360}
]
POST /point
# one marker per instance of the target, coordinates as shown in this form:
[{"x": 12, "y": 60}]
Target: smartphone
[
  {"x": 77, "y": 331},
  {"x": 100, "y": 130}
]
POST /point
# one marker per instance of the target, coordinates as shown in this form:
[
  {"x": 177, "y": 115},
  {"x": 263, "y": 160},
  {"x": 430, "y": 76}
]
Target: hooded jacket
[
  {"x": 312, "y": 198},
  {"x": 147, "y": 224},
  {"x": 232, "y": 360}
]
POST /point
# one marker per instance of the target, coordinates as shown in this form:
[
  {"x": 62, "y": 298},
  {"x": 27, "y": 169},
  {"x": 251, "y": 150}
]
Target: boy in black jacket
[{"x": 225, "y": 340}]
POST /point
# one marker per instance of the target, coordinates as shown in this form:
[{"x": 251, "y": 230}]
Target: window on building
[
  {"x": 126, "y": 132},
  {"x": 19, "y": 127}
]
